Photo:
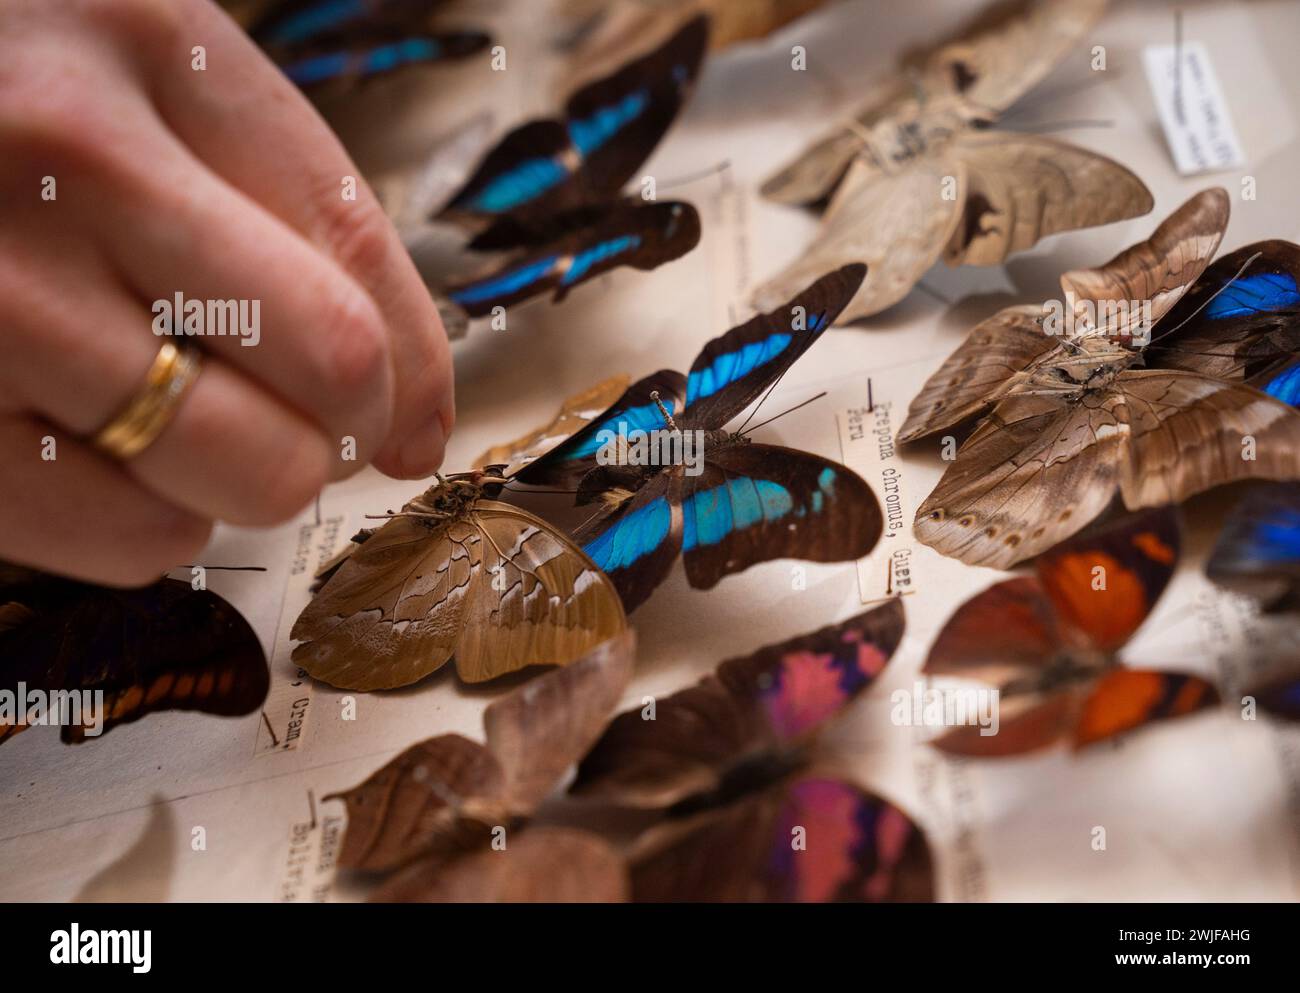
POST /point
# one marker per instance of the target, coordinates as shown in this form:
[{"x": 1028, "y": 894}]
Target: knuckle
[
  {"x": 356, "y": 353},
  {"x": 151, "y": 20},
  {"x": 358, "y": 235}
]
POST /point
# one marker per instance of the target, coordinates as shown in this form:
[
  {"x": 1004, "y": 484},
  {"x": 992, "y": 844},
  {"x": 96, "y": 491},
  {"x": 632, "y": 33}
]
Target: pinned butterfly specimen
[
  {"x": 575, "y": 414},
  {"x": 625, "y": 233},
  {"x": 1258, "y": 552},
  {"x": 1241, "y": 321},
  {"x": 1050, "y": 643},
  {"x": 735, "y": 765},
  {"x": 342, "y": 41},
  {"x": 1072, "y": 419},
  {"x": 455, "y": 573},
  {"x": 740, "y": 503},
  {"x": 431, "y": 815},
  {"x": 920, "y": 174},
  {"x": 165, "y": 646}
]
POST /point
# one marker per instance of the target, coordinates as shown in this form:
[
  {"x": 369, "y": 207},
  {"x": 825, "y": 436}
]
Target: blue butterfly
[{"x": 736, "y": 503}]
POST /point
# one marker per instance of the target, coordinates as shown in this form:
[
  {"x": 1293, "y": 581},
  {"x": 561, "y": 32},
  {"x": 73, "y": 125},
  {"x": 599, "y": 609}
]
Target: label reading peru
[
  {"x": 867, "y": 441},
  {"x": 1192, "y": 109},
  {"x": 284, "y": 715}
]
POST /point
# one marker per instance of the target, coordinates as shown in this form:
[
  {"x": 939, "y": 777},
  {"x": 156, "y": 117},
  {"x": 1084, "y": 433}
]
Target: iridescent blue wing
[
  {"x": 734, "y": 369},
  {"x": 634, "y": 415},
  {"x": 1258, "y": 551},
  {"x": 754, "y": 503},
  {"x": 637, "y": 235},
  {"x": 378, "y": 54},
  {"x": 610, "y": 128},
  {"x": 1240, "y": 322},
  {"x": 637, "y": 537}
]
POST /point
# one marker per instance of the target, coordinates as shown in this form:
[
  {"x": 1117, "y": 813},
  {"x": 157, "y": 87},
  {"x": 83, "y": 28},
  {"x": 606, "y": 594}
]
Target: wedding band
[{"x": 144, "y": 416}]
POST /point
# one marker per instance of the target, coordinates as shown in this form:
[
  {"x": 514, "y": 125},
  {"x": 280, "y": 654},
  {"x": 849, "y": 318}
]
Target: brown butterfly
[
  {"x": 165, "y": 646},
  {"x": 1073, "y": 419},
  {"x": 921, "y": 175},
  {"x": 455, "y": 573},
  {"x": 734, "y": 764},
  {"x": 1050, "y": 643},
  {"x": 431, "y": 815}
]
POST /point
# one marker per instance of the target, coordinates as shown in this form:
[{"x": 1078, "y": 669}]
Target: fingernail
[{"x": 423, "y": 450}]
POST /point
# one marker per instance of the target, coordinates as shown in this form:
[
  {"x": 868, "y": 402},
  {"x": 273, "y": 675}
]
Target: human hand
[{"x": 129, "y": 175}]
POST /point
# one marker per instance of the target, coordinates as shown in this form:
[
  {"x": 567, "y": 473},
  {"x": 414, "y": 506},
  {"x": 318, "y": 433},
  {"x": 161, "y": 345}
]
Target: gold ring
[{"x": 142, "y": 419}]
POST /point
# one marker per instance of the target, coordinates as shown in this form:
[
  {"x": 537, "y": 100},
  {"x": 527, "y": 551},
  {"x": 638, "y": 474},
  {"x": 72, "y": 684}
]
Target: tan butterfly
[
  {"x": 1073, "y": 419},
  {"x": 433, "y": 813},
  {"x": 456, "y": 573},
  {"x": 921, "y": 175}
]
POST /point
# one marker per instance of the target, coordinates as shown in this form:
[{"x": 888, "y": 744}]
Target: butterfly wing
[
  {"x": 640, "y": 236},
  {"x": 1258, "y": 551},
  {"x": 162, "y": 647},
  {"x": 574, "y": 414},
  {"x": 394, "y": 610},
  {"x": 964, "y": 386},
  {"x": 537, "y": 865},
  {"x": 1188, "y": 433},
  {"x": 1241, "y": 321},
  {"x": 1034, "y": 472},
  {"x": 809, "y": 839},
  {"x": 754, "y": 503},
  {"x": 292, "y": 23},
  {"x": 633, "y": 414},
  {"x": 1279, "y": 697},
  {"x": 1020, "y": 188},
  {"x": 378, "y": 53},
  {"x": 635, "y": 541},
  {"x": 537, "y": 731},
  {"x": 1010, "y": 49},
  {"x": 610, "y": 128},
  {"x": 1105, "y": 581},
  {"x": 734, "y": 369},
  {"x": 415, "y": 804},
  {"x": 1125, "y": 699},
  {"x": 897, "y": 224},
  {"x": 1160, "y": 269},
  {"x": 541, "y": 601},
  {"x": 753, "y": 710}
]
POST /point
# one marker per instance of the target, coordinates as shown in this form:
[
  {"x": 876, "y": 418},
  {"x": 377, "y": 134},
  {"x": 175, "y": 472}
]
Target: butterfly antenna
[
  {"x": 1236, "y": 277},
  {"x": 692, "y": 177},
  {"x": 784, "y": 412},
  {"x": 668, "y": 418},
  {"x": 226, "y": 568}
]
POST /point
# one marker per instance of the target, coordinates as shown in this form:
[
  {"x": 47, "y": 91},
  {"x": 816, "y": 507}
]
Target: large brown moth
[
  {"x": 920, "y": 174},
  {"x": 1074, "y": 418},
  {"x": 455, "y": 574}
]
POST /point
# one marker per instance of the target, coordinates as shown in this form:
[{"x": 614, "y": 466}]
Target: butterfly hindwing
[
  {"x": 636, "y": 540},
  {"x": 754, "y": 503},
  {"x": 1258, "y": 551},
  {"x": 857, "y": 848},
  {"x": 1124, "y": 699},
  {"x": 163, "y": 647}
]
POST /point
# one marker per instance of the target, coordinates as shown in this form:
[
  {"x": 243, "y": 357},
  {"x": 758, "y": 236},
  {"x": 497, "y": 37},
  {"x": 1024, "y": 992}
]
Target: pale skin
[{"x": 220, "y": 184}]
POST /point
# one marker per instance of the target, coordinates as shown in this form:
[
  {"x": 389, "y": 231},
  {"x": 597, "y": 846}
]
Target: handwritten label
[
  {"x": 311, "y": 858},
  {"x": 284, "y": 715},
  {"x": 867, "y": 444},
  {"x": 1192, "y": 109}
]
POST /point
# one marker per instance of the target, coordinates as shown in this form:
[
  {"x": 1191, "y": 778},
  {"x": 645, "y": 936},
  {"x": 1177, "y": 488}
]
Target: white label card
[{"x": 1195, "y": 116}]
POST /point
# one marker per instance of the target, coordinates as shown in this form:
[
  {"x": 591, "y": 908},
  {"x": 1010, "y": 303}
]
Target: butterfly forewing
[
  {"x": 753, "y": 714},
  {"x": 734, "y": 369}
]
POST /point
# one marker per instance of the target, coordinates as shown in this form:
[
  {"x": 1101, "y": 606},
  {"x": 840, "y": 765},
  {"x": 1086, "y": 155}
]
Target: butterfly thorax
[
  {"x": 453, "y": 497},
  {"x": 917, "y": 127},
  {"x": 1075, "y": 367},
  {"x": 1067, "y": 668}
]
